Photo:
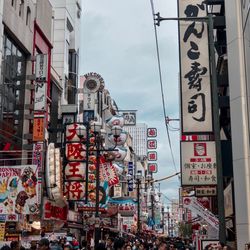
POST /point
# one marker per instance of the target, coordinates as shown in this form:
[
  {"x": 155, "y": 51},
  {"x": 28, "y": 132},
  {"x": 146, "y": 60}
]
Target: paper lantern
[
  {"x": 75, "y": 171},
  {"x": 115, "y": 120},
  {"x": 120, "y": 140}
]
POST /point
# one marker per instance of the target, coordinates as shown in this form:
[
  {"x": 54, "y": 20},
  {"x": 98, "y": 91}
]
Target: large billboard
[
  {"x": 196, "y": 107},
  {"x": 19, "y": 189}
]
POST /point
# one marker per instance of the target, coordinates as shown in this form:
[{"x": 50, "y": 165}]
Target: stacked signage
[
  {"x": 152, "y": 146},
  {"x": 40, "y": 107},
  {"x": 198, "y": 152}
]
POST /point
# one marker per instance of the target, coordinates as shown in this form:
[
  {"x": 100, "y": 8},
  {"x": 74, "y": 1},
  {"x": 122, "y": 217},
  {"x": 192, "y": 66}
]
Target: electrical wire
[{"x": 161, "y": 83}]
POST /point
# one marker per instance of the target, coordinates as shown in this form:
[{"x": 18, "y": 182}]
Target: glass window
[{"x": 12, "y": 90}]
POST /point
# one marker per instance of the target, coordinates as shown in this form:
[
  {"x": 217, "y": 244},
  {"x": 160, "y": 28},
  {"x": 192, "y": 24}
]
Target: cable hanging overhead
[{"x": 161, "y": 83}]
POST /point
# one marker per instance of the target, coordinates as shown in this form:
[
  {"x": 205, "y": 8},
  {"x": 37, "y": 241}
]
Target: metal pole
[
  {"x": 97, "y": 227},
  {"x": 168, "y": 222},
  {"x": 153, "y": 212},
  {"x": 138, "y": 207},
  {"x": 220, "y": 188},
  {"x": 87, "y": 164}
]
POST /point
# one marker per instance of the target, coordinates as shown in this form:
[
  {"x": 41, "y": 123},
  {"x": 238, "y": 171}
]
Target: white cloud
[{"x": 118, "y": 43}]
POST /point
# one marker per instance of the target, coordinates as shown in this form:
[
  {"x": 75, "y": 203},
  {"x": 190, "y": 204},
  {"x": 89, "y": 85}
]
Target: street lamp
[
  {"x": 99, "y": 134},
  {"x": 138, "y": 178},
  {"x": 168, "y": 220}
]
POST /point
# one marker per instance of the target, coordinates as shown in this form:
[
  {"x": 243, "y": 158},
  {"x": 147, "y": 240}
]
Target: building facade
[
  {"x": 237, "y": 20},
  {"x": 139, "y": 135}
]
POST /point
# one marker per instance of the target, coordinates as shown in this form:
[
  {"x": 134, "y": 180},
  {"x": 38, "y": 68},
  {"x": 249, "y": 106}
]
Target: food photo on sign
[{"x": 18, "y": 190}]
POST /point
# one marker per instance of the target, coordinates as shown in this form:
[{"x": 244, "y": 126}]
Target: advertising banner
[
  {"x": 18, "y": 189},
  {"x": 196, "y": 107},
  {"x": 198, "y": 163},
  {"x": 54, "y": 211}
]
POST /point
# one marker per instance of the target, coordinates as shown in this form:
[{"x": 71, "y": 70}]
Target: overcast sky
[{"x": 118, "y": 42}]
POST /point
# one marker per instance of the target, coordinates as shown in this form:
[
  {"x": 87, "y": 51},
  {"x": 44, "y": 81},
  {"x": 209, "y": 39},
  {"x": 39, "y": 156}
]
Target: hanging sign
[
  {"x": 38, "y": 128},
  {"x": 131, "y": 173},
  {"x": 152, "y": 156},
  {"x": 129, "y": 118},
  {"x": 108, "y": 172},
  {"x": 152, "y": 144},
  {"x": 151, "y": 132},
  {"x": 152, "y": 167},
  {"x": 198, "y": 163},
  {"x": 196, "y": 109}
]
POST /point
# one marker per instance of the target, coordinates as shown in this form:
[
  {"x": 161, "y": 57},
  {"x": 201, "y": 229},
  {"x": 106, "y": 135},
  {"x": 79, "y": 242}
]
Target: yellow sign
[
  {"x": 2, "y": 231},
  {"x": 38, "y": 129}
]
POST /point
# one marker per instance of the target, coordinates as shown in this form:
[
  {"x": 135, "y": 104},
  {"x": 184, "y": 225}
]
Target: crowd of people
[{"x": 117, "y": 243}]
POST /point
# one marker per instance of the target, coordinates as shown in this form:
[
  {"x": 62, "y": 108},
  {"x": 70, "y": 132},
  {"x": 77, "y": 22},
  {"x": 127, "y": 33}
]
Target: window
[
  {"x": 28, "y": 14},
  {"x": 12, "y": 92},
  {"x": 21, "y": 8}
]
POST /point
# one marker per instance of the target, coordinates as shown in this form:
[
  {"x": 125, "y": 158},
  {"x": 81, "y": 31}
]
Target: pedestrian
[
  {"x": 43, "y": 244},
  {"x": 14, "y": 245},
  {"x": 5, "y": 247}
]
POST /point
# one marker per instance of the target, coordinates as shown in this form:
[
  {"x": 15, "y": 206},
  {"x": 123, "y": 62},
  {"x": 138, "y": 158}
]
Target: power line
[{"x": 161, "y": 83}]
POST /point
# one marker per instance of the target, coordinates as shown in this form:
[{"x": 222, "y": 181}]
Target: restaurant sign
[
  {"x": 198, "y": 163},
  {"x": 196, "y": 109}
]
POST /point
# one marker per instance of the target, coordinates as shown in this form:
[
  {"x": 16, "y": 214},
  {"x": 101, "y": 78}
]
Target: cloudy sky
[{"x": 118, "y": 42}]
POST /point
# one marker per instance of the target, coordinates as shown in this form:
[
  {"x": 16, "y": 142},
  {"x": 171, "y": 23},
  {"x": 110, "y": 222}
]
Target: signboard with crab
[{"x": 19, "y": 189}]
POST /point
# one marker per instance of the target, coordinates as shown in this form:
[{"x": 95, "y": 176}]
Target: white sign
[
  {"x": 192, "y": 204},
  {"x": 53, "y": 173},
  {"x": 41, "y": 67},
  {"x": 129, "y": 117},
  {"x": 40, "y": 96},
  {"x": 198, "y": 163},
  {"x": 89, "y": 101},
  {"x": 195, "y": 72}
]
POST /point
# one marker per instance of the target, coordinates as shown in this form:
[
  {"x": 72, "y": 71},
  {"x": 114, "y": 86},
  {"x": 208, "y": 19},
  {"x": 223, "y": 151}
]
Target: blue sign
[
  {"x": 2, "y": 217},
  {"x": 130, "y": 172}
]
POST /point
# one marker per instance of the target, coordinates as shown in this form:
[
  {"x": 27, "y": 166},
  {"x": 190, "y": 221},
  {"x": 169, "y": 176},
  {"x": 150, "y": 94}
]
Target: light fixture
[
  {"x": 148, "y": 177},
  {"x": 138, "y": 176},
  {"x": 116, "y": 130},
  {"x": 103, "y": 132},
  {"x": 36, "y": 225},
  {"x": 81, "y": 131},
  {"x": 152, "y": 191},
  {"x": 96, "y": 127}
]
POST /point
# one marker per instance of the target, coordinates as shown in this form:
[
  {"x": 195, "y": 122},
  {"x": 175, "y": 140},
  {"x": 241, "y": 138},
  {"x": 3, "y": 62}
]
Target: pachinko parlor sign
[{"x": 19, "y": 189}]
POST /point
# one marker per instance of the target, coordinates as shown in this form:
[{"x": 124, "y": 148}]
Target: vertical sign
[
  {"x": 38, "y": 128},
  {"x": 37, "y": 160},
  {"x": 196, "y": 109},
  {"x": 131, "y": 172},
  {"x": 41, "y": 78}
]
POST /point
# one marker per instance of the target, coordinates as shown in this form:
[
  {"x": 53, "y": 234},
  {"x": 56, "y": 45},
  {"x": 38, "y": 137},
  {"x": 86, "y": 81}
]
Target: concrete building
[
  {"x": 238, "y": 23},
  {"x": 139, "y": 135},
  {"x": 66, "y": 42}
]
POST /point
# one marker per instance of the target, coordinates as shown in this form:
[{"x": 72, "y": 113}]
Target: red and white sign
[
  {"x": 53, "y": 211},
  {"x": 152, "y": 144},
  {"x": 108, "y": 172},
  {"x": 152, "y": 167},
  {"x": 151, "y": 132},
  {"x": 198, "y": 163},
  {"x": 196, "y": 207},
  {"x": 152, "y": 156}
]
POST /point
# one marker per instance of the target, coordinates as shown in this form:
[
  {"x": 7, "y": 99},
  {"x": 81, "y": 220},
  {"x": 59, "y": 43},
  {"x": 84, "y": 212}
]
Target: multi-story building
[
  {"x": 238, "y": 24},
  {"x": 139, "y": 135}
]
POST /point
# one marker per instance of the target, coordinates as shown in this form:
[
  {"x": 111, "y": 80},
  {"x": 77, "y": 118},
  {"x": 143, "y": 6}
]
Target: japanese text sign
[
  {"x": 198, "y": 163},
  {"x": 152, "y": 167},
  {"x": 195, "y": 72},
  {"x": 151, "y": 132},
  {"x": 130, "y": 172},
  {"x": 152, "y": 144},
  {"x": 38, "y": 129},
  {"x": 152, "y": 156}
]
